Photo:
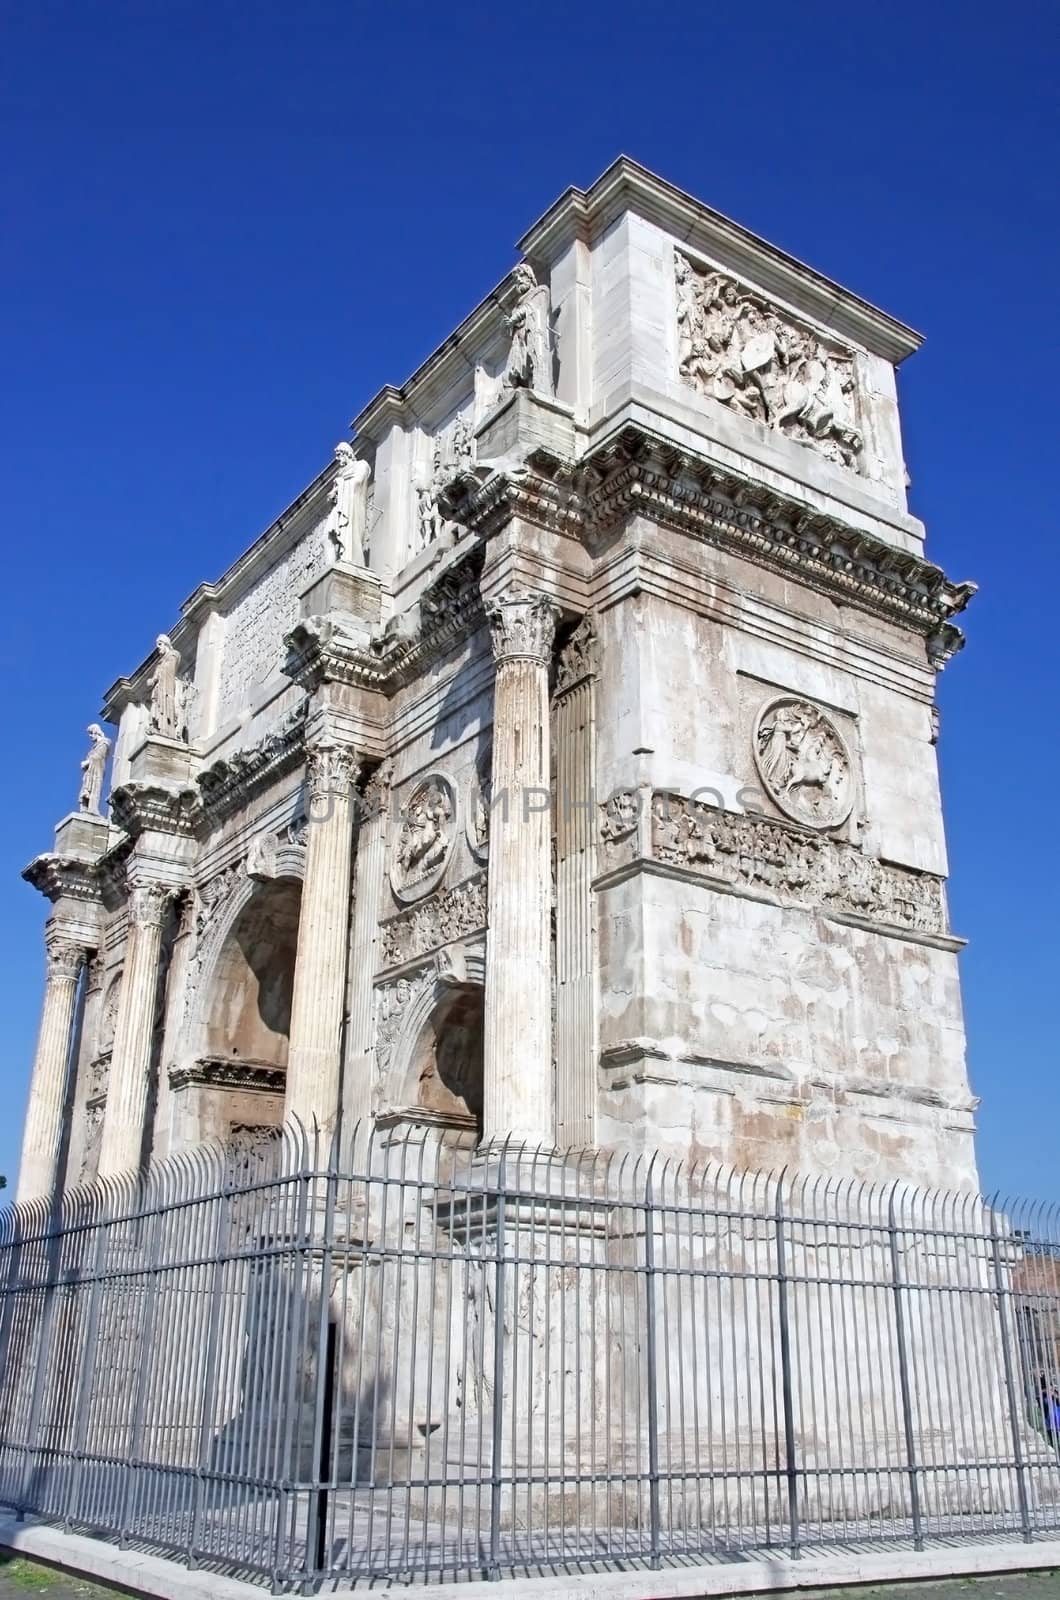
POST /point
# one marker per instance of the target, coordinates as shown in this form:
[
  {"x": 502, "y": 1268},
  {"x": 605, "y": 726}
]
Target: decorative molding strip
[{"x": 453, "y": 914}]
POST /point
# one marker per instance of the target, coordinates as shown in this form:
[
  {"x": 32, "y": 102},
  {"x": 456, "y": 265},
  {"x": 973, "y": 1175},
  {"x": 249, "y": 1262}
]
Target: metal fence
[{"x": 423, "y": 1359}]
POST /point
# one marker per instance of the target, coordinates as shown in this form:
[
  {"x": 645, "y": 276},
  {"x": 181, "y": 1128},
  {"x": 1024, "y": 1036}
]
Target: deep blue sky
[{"x": 226, "y": 225}]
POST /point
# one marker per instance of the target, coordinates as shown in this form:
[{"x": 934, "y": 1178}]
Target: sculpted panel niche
[{"x": 735, "y": 347}]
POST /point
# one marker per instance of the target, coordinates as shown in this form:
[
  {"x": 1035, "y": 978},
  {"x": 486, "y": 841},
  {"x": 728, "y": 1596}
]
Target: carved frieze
[
  {"x": 735, "y": 347},
  {"x": 619, "y": 821},
  {"x": 803, "y": 762},
  {"x": 792, "y": 866},
  {"x": 425, "y": 837},
  {"x": 438, "y": 921}
]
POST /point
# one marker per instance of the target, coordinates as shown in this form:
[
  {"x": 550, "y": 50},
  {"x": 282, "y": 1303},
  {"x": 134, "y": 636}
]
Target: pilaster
[{"x": 368, "y": 886}]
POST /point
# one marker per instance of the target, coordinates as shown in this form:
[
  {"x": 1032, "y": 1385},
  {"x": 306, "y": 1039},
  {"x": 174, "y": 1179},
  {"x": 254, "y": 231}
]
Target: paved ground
[{"x": 22, "y": 1580}]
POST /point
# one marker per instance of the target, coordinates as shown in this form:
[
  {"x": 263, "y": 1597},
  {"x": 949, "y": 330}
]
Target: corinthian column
[
  {"x": 518, "y": 1014},
  {"x": 129, "y": 1083},
  {"x": 47, "y": 1093},
  {"x": 317, "y": 1003}
]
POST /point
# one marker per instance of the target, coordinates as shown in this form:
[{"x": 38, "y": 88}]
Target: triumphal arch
[{"x": 560, "y": 764}]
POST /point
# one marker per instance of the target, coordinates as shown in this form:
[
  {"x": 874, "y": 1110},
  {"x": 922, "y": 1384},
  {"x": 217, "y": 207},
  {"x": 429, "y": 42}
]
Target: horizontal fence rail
[{"x": 404, "y": 1357}]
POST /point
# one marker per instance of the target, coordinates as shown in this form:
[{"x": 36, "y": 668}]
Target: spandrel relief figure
[
  {"x": 167, "y": 705},
  {"x": 529, "y": 364},
  {"x": 92, "y": 769},
  {"x": 804, "y": 763},
  {"x": 348, "y": 523}
]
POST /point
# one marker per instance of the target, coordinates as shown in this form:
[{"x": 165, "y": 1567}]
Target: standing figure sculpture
[
  {"x": 165, "y": 716},
  {"x": 529, "y": 364},
  {"x": 348, "y": 527},
  {"x": 92, "y": 769}
]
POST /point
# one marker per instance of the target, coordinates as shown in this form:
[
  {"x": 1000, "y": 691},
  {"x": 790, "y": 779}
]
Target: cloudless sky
[{"x": 226, "y": 225}]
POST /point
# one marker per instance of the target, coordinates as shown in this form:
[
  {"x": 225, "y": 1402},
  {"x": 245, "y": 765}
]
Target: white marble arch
[
  {"x": 289, "y": 867},
  {"x": 452, "y": 979}
]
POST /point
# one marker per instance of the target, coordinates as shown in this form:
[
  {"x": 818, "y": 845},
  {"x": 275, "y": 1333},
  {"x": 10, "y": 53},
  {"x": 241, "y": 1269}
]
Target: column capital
[
  {"x": 331, "y": 768},
  {"x": 149, "y": 902},
  {"x": 64, "y": 955},
  {"x": 522, "y": 626}
]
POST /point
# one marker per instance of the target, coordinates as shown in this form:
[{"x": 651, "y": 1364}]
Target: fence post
[
  {"x": 316, "y": 1533},
  {"x": 903, "y": 1377},
  {"x": 1004, "y": 1295},
  {"x": 787, "y": 1391},
  {"x": 498, "y": 1374},
  {"x": 651, "y": 1358},
  {"x": 88, "y": 1363},
  {"x": 52, "y": 1256},
  {"x": 210, "y": 1366},
  {"x": 143, "y": 1366}
]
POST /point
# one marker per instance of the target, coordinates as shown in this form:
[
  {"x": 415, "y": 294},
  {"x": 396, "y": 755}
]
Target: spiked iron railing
[{"x": 411, "y": 1358}]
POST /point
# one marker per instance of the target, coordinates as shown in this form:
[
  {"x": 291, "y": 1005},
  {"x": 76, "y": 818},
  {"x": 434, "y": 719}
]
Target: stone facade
[{"x": 561, "y": 764}]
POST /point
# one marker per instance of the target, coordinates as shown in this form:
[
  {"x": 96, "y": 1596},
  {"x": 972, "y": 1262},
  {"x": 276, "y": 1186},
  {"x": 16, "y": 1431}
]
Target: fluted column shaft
[
  {"x": 368, "y": 881},
  {"x": 129, "y": 1082},
  {"x": 518, "y": 1000},
  {"x": 318, "y": 999},
  {"x": 41, "y": 1137}
]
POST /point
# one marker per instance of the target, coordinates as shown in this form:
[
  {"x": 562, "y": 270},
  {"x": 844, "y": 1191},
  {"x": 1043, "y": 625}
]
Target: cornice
[
  {"x": 448, "y": 612},
  {"x": 65, "y": 877},
  {"x": 626, "y": 186},
  {"x": 217, "y": 1072},
  {"x": 227, "y": 785},
  {"x": 639, "y": 473},
  {"x": 139, "y": 807}
]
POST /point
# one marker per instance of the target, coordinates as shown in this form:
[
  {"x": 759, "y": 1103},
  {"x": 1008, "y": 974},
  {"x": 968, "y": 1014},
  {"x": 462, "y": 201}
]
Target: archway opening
[
  {"x": 249, "y": 1018},
  {"x": 449, "y": 1060}
]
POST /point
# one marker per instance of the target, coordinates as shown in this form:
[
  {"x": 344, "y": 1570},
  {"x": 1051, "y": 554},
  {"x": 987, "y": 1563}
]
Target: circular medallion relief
[
  {"x": 424, "y": 838},
  {"x": 804, "y": 763}
]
